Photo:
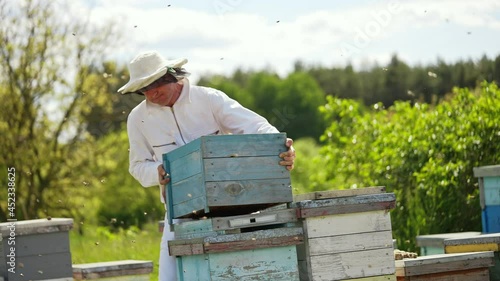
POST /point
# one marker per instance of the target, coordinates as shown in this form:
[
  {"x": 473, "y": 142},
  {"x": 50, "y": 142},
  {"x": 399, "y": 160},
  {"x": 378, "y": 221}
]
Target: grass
[{"x": 99, "y": 244}]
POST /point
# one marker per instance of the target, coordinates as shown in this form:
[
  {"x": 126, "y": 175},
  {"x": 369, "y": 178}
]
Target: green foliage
[
  {"x": 47, "y": 88},
  {"x": 424, "y": 154},
  {"x": 99, "y": 244},
  {"x": 289, "y": 104},
  {"x": 308, "y": 174},
  {"x": 123, "y": 201}
]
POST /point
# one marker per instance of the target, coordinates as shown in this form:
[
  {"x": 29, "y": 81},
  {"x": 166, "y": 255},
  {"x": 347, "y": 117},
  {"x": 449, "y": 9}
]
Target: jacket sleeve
[
  {"x": 143, "y": 167},
  {"x": 236, "y": 119}
]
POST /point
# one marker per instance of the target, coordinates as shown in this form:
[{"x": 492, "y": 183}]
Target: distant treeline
[{"x": 291, "y": 103}]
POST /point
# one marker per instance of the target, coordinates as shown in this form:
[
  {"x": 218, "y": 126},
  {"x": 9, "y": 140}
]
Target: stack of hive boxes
[
  {"x": 220, "y": 182},
  {"x": 347, "y": 235},
  {"x": 246, "y": 225}
]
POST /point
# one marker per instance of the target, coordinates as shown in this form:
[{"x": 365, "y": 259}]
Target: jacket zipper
[{"x": 177, "y": 123}]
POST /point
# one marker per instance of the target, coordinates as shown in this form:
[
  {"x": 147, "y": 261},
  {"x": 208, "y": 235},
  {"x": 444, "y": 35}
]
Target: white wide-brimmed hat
[{"x": 147, "y": 67}]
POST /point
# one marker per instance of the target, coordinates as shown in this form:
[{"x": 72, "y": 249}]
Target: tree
[
  {"x": 397, "y": 82},
  {"x": 296, "y": 108},
  {"x": 424, "y": 154},
  {"x": 48, "y": 84}
]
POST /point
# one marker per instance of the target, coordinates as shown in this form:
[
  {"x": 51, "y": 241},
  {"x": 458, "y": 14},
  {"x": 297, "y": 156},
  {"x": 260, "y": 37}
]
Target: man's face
[{"x": 162, "y": 92}]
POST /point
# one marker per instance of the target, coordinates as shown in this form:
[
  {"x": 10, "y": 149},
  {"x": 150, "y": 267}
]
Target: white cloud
[{"x": 221, "y": 38}]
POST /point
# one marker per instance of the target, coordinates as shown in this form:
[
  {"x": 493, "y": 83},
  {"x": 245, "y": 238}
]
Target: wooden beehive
[
  {"x": 478, "y": 243},
  {"x": 258, "y": 246},
  {"x": 433, "y": 244},
  {"x": 226, "y": 175},
  {"x": 347, "y": 237},
  {"x": 42, "y": 250},
  {"x": 444, "y": 267},
  {"x": 489, "y": 192},
  {"x": 122, "y": 270}
]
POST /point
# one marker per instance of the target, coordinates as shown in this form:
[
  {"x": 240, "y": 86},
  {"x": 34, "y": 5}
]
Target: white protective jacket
[{"x": 154, "y": 130}]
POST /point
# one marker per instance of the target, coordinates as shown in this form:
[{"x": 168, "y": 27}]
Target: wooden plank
[
  {"x": 345, "y": 209},
  {"x": 339, "y": 193},
  {"x": 388, "y": 277},
  {"x": 185, "y": 250},
  {"x": 443, "y": 263},
  {"x": 42, "y": 244},
  {"x": 244, "y": 168},
  {"x": 186, "y": 166},
  {"x": 99, "y": 267},
  {"x": 437, "y": 240},
  {"x": 195, "y": 267},
  {"x": 471, "y": 248},
  {"x": 490, "y": 216},
  {"x": 491, "y": 190},
  {"x": 439, "y": 267},
  {"x": 350, "y": 243},
  {"x": 193, "y": 229},
  {"x": 50, "y": 266},
  {"x": 478, "y": 239},
  {"x": 248, "y": 192},
  {"x": 182, "y": 151},
  {"x": 481, "y": 194},
  {"x": 486, "y": 171},
  {"x": 192, "y": 208},
  {"x": 235, "y": 242},
  {"x": 188, "y": 189},
  {"x": 352, "y": 265},
  {"x": 277, "y": 264},
  {"x": 347, "y": 224},
  {"x": 252, "y": 244},
  {"x": 243, "y": 145},
  {"x": 478, "y": 274},
  {"x": 353, "y": 200}
]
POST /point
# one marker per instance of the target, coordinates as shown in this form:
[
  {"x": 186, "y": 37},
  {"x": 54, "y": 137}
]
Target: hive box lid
[
  {"x": 226, "y": 175},
  {"x": 27, "y": 227},
  {"x": 487, "y": 171}
]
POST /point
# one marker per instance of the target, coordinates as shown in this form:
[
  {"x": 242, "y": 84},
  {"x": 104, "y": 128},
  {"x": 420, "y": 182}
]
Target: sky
[{"x": 220, "y": 36}]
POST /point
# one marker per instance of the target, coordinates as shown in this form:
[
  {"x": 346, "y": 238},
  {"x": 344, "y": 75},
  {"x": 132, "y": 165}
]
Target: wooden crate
[
  {"x": 446, "y": 267},
  {"x": 42, "y": 250},
  {"x": 480, "y": 243},
  {"x": 226, "y": 175},
  {"x": 433, "y": 244},
  {"x": 489, "y": 191},
  {"x": 257, "y": 255},
  {"x": 349, "y": 237},
  {"x": 123, "y": 270}
]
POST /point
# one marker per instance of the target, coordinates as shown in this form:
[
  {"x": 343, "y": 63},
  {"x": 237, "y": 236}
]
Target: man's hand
[
  {"x": 163, "y": 179},
  {"x": 288, "y": 156}
]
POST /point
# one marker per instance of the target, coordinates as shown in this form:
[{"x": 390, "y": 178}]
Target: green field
[{"x": 98, "y": 244}]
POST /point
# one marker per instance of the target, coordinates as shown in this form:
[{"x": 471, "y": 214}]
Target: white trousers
[{"x": 168, "y": 269}]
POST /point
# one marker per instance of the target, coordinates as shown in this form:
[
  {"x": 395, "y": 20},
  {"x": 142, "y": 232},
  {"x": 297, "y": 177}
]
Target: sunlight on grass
[{"x": 99, "y": 244}]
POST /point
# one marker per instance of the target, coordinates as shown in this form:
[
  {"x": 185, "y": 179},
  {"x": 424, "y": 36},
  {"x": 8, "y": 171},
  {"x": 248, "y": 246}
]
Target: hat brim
[{"x": 136, "y": 85}]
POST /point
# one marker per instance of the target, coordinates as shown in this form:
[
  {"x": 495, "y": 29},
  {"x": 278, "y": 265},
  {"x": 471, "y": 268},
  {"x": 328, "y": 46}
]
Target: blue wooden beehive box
[
  {"x": 226, "y": 175},
  {"x": 258, "y": 246},
  {"x": 489, "y": 190}
]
